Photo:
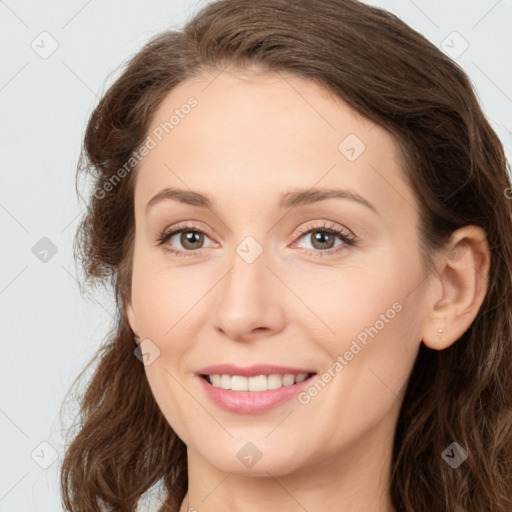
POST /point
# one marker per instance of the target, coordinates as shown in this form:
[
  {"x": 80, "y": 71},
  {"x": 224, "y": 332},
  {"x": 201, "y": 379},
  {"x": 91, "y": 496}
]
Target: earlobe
[{"x": 457, "y": 289}]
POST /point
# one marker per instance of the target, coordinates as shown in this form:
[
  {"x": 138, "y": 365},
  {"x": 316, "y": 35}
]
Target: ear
[
  {"x": 457, "y": 287},
  {"x": 130, "y": 315}
]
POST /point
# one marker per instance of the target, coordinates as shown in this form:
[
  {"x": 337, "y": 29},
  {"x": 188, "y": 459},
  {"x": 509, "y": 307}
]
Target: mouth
[
  {"x": 257, "y": 383},
  {"x": 252, "y": 390}
]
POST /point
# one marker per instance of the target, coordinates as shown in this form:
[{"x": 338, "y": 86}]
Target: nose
[{"x": 250, "y": 300}]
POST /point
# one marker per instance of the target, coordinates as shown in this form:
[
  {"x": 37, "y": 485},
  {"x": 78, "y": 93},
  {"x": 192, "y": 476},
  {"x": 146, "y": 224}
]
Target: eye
[
  {"x": 323, "y": 238},
  {"x": 190, "y": 237}
]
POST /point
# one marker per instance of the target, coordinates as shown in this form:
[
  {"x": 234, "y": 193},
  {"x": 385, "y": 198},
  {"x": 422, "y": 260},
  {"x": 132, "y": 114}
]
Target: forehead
[{"x": 249, "y": 134}]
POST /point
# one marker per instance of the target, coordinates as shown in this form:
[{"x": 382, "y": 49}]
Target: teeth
[
  {"x": 239, "y": 383},
  {"x": 274, "y": 381},
  {"x": 300, "y": 377},
  {"x": 225, "y": 382},
  {"x": 215, "y": 380},
  {"x": 257, "y": 383},
  {"x": 288, "y": 379}
]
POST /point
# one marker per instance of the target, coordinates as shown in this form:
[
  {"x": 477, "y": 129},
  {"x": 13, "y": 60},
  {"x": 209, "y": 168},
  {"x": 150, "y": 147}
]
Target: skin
[{"x": 252, "y": 137}]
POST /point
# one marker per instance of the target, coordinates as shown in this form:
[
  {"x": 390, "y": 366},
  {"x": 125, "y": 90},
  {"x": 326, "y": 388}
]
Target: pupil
[
  {"x": 320, "y": 236},
  {"x": 188, "y": 238}
]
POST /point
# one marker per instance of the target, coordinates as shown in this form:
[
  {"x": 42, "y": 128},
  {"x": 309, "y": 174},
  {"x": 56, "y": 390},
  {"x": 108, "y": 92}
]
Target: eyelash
[{"x": 348, "y": 240}]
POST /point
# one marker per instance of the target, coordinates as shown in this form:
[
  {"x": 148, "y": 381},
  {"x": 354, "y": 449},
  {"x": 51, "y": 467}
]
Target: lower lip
[{"x": 252, "y": 402}]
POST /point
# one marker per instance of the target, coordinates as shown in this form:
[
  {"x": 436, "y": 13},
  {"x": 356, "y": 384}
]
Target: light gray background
[{"x": 51, "y": 331}]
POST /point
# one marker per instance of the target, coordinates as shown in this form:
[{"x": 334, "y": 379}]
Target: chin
[{"x": 247, "y": 460}]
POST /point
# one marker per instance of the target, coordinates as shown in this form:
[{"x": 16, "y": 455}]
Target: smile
[
  {"x": 257, "y": 383},
  {"x": 253, "y": 390}
]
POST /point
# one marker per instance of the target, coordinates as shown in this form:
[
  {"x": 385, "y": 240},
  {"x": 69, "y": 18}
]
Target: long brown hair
[{"x": 122, "y": 445}]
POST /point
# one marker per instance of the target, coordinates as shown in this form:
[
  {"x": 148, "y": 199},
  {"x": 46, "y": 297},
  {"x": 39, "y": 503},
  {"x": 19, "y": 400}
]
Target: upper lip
[{"x": 251, "y": 371}]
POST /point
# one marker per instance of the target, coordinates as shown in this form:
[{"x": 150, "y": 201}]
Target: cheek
[
  {"x": 171, "y": 398},
  {"x": 366, "y": 314},
  {"x": 164, "y": 298},
  {"x": 376, "y": 321},
  {"x": 343, "y": 302},
  {"x": 365, "y": 374}
]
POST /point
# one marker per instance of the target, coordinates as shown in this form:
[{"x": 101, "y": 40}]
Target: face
[{"x": 272, "y": 276}]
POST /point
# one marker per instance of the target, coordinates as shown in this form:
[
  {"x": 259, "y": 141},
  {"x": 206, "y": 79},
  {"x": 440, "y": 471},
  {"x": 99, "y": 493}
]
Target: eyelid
[
  {"x": 347, "y": 237},
  {"x": 327, "y": 225},
  {"x": 183, "y": 226}
]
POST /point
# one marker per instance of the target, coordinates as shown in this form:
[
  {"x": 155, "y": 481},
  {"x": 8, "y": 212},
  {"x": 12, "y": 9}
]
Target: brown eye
[
  {"x": 183, "y": 240},
  {"x": 191, "y": 239},
  {"x": 322, "y": 239}
]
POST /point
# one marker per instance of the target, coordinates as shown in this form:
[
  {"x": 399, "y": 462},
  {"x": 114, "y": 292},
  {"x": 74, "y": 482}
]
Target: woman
[{"x": 304, "y": 214}]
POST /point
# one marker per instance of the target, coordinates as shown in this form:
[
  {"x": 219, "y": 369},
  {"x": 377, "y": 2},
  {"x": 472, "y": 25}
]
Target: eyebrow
[{"x": 291, "y": 199}]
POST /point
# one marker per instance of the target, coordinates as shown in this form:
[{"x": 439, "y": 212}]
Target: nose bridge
[
  {"x": 247, "y": 281},
  {"x": 248, "y": 260},
  {"x": 248, "y": 296}
]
